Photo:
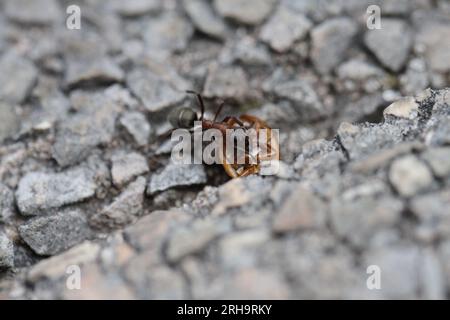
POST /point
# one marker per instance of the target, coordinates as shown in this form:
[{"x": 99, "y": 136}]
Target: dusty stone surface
[{"x": 85, "y": 171}]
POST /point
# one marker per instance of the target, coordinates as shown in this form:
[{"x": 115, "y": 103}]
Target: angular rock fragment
[
  {"x": 360, "y": 219},
  {"x": 301, "y": 210},
  {"x": 251, "y": 12},
  {"x": 127, "y": 166},
  {"x": 193, "y": 239},
  {"x": 17, "y": 77},
  {"x": 390, "y": 44},
  {"x": 155, "y": 93},
  {"x": 330, "y": 42},
  {"x": 9, "y": 121},
  {"x": 134, "y": 8},
  {"x": 169, "y": 32},
  {"x": 78, "y": 135},
  {"x": 225, "y": 82},
  {"x": 6, "y": 252},
  {"x": 33, "y": 11},
  {"x": 204, "y": 18},
  {"x": 177, "y": 175},
  {"x": 400, "y": 267},
  {"x": 38, "y": 192},
  {"x": 301, "y": 94},
  {"x": 432, "y": 211},
  {"x": 284, "y": 28},
  {"x": 360, "y": 141},
  {"x": 55, "y": 267},
  {"x": 406, "y": 108},
  {"x": 6, "y": 203},
  {"x": 126, "y": 208},
  {"x": 52, "y": 234},
  {"x": 436, "y": 51},
  {"x": 409, "y": 175},
  {"x": 100, "y": 70},
  {"x": 137, "y": 126},
  {"x": 438, "y": 160}
]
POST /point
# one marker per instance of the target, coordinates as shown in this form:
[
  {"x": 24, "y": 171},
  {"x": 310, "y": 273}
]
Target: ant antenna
[
  {"x": 222, "y": 103},
  {"x": 200, "y": 102}
]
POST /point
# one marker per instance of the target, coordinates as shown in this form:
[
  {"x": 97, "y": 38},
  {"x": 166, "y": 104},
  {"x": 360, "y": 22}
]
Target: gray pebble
[{"x": 52, "y": 234}]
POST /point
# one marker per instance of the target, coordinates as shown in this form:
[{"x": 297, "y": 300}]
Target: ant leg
[
  {"x": 233, "y": 120},
  {"x": 218, "y": 111},
  {"x": 200, "y": 102},
  {"x": 249, "y": 171}
]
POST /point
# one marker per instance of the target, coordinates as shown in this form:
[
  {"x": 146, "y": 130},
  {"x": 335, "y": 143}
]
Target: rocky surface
[{"x": 86, "y": 178}]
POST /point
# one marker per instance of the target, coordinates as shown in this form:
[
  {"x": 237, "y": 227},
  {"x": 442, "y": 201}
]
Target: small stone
[
  {"x": 126, "y": 208},
  {"x": 246, "y": 284},
  {"x": 301, "y": 210},
  {"x": 33, "y": 11},
  {"x": 240, "y": 249},
  {"x": 99, "y": 70},
  {"x": 330, "y": 42},
  {"x": 225, "y": 82},
  {"x": 127, "y": 166},
  {"x": 391, "y": 44},
  {"x": 169, "y": 32},
  {"x": 98, "y": 284},
  {"x": 79, "y": 134},
  {"x": 204, "y": 18},
  {"x": 150, "y": 231},
  {"x": 9, "y": 121},
  {"x": 360, "y": 219},
  {"x": 6, "y": 203},
  {"x": 193, "y": 239},
  {"x": 409, "y": 175},
  {"x": 134, "y": 8},
  {"x": 284, "y": 28},
  {"x": 400, "y": 268},
  {"x": 56, "y": 267},
  {"x": 52, "y": 234},
  {"x": 17, "y": 77},
  {"x": 248, "y": 52},
  {"x": 357, "y": 70},
  {"x": 232, "y": 194},
  {"x": 138, "y": 127},
  {"x": 432, "y": 211},
  {"x": 406, "y": 108},
  {"x": 303, "y": 97},
  {"x": 155, "y": 93},
  {"x": 177, "y": 175},
  {"x": 396, "y": 7},
  {"x": 364, "y": 140},
  {"x": 251, "y": 12},
  {"x": 39, "y": 192},
  {"x": 437, "y": 52},
  {"x": 438, "y": 159},
  {"x": 432, "y": 276},
  {"x": 154, "y": 281},
  {"x": 444, "y": 255},
  {"x": 6, "y": 252}
]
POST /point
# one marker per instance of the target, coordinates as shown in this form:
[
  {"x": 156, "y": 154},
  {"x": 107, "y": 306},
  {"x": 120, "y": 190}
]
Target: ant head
[{"x": 183, "y": 118}]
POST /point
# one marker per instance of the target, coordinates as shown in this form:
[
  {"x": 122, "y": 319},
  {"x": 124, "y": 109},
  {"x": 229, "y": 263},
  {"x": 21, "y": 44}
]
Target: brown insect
[{"x": 185, "y": 118}]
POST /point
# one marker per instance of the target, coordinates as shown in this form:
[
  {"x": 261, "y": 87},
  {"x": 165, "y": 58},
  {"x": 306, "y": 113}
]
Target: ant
[{"x": 185, "y": 118}]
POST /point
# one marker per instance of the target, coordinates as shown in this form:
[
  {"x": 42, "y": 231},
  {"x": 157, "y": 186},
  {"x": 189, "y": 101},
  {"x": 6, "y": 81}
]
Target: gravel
[
  {"x": 85, "y": 169},
  {"x": 177, "y": 175},
  {"x": 49, "y": 235},
  {"x": 38, "y": 191},
  {"x": 330, "y": 42},
  {"x": 395, "y": 35}
]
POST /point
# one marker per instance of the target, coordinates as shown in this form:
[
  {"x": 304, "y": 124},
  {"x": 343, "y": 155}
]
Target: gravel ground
[{"x": 86, "y": 178}]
